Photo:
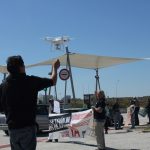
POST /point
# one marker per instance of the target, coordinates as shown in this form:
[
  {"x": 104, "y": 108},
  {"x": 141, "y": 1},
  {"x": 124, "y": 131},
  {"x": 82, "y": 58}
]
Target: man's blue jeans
[{"x": 23, "y": 139}]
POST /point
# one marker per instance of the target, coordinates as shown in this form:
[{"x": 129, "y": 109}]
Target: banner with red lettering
[{"x": 81, "y": 124}]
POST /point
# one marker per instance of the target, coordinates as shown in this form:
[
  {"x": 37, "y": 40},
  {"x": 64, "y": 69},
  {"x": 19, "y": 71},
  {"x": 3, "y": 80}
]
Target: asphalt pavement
[{"x": 125, "y": 139}]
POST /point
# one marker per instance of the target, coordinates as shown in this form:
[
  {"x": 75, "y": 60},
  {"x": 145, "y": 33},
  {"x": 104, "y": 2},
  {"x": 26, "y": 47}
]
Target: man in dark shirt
[
  {"x": 18, "y": 99},
  {"x": 136, "y": 111},
  {"x": 148, "y": 109},
  {"x": 117, "y": 115},
  {"x": 99, "y": 119}
]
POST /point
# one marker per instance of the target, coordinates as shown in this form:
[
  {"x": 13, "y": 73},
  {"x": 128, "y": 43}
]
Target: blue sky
[{"x": 119, "y": 28}]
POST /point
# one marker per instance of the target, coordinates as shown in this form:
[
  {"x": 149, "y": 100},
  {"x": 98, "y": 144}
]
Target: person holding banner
[
  {"x": 54, "y": 108},
  {"x": 99, "y": 119},
  {"x": 18, "y": 98}
]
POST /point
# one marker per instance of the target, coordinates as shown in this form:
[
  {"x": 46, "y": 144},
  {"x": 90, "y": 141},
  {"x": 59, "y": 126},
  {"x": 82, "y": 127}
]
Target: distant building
[{"x": 89, "y": 100}]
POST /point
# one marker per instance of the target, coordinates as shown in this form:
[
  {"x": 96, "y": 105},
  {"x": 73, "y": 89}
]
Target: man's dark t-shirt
[
  {"x": 97, "y": 115},
  {"x": 18, "y": 98},
  {"x": 116, "y": 107}
]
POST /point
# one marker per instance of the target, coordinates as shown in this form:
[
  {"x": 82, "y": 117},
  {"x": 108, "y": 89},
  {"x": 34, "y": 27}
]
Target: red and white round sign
[{"x": 64, "y": 74}]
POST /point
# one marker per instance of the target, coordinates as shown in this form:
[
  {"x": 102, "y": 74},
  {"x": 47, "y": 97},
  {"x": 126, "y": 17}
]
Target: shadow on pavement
[
  {"x": 82, "y": 143},
  {"x": 93, "y": 145}
]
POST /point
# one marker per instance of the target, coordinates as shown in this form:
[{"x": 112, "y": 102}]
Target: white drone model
[{"x": 58, "y": 42}]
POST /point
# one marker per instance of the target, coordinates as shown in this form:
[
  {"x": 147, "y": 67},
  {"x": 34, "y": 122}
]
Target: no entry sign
[{"x": 64, "y": 74}]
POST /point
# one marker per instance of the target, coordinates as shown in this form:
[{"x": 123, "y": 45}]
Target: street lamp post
[{"x": 117, "y": 87}]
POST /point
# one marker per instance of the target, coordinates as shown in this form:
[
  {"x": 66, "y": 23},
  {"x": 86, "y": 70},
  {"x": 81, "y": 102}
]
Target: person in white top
[{"x": 132, "y": 113}]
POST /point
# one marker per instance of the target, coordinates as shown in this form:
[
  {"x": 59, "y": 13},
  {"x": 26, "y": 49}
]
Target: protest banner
[
  {"x": 58, "y": 122},
  {"x": 75, "y": 125},
  {"x": 80, "y": 122}
]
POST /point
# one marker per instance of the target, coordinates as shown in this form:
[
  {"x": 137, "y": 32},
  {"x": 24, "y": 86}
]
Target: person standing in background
[
  {"x": 148, "y": 110},
  {"x": 132, "y": 113},
  {"x": 107, "y": 120},
  {"x": 99, "y": 119},
  {"x": 117, "y": 115},
  {"x": 136, "y": 111}
]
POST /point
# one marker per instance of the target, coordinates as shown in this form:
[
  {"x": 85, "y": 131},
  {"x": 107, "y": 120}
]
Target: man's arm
[
  {"x": 55, "y": 67},
  {"x": 99, "y": 109}
]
